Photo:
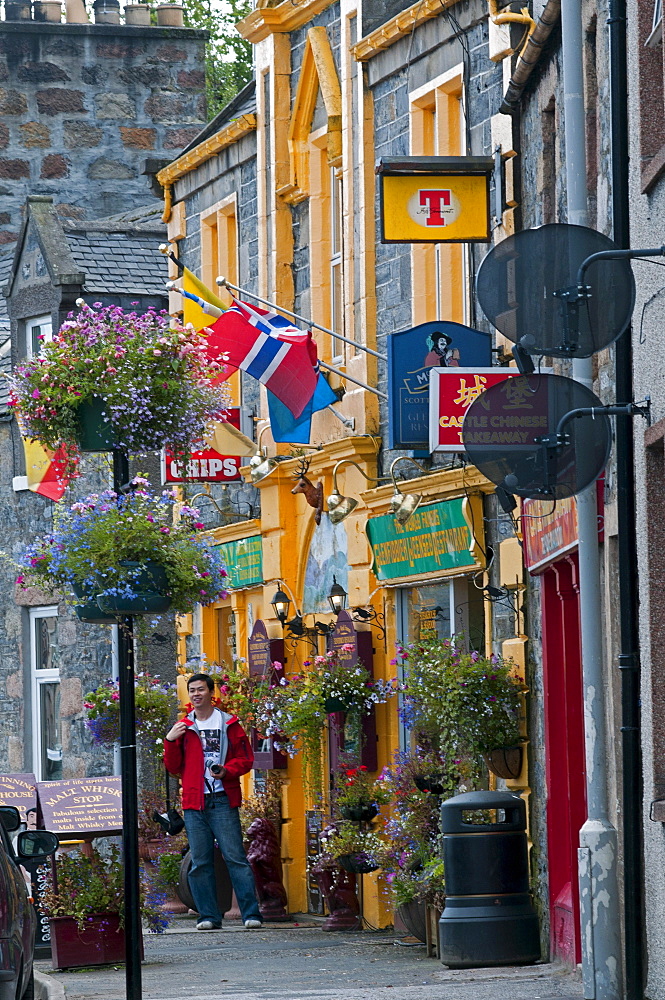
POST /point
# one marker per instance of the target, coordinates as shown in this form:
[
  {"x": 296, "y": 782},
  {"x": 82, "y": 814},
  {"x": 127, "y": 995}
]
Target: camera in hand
[{"x": 217, "y": 770}]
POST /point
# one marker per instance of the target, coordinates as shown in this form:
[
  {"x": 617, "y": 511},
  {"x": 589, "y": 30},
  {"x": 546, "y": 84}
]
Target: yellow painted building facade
[{"x": 280, "y": 198}]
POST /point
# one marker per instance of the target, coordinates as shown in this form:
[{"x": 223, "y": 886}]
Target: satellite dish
[
  {"x": 503, "y": 433},
  {"x": 528, "y": 288}
]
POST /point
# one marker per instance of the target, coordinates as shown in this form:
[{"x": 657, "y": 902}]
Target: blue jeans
[{"x": 218, "y": 822}]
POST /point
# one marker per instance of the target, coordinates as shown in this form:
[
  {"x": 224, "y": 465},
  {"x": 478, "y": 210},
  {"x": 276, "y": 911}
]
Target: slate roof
[
  {"x": 120, "y": 253},
  {"x": 6, "y": 259}
]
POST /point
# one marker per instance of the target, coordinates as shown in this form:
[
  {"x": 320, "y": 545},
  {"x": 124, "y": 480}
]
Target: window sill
[
  {"x": 657, "y": 811},
  {"x": 653, "y": 170}
]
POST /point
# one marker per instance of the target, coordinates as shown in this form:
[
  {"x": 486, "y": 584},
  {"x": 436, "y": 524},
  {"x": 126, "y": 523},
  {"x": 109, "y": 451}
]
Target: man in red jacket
[{"x": 209, "y": 750}]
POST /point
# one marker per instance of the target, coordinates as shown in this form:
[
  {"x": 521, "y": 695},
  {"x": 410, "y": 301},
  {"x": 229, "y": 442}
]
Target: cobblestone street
[{"x": 301, "y": 962}]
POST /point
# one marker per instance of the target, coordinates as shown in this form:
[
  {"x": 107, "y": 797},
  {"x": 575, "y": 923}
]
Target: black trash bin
[{"x": 488, "y": 918}]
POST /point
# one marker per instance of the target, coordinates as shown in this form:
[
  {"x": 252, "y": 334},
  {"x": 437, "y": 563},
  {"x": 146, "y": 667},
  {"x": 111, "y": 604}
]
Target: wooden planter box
[{"x": 101, "y": 943}]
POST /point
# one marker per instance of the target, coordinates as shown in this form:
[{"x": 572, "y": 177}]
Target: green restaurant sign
[
  {"x": 243, "y": 560},
  {"x": 436, "y": 538}
]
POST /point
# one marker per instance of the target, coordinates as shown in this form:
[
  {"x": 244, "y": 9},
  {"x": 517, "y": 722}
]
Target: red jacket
[{"x": 184, "y": 758}]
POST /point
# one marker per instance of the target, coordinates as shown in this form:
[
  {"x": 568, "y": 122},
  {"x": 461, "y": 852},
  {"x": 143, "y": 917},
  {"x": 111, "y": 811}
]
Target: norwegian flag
[{"x": 270, "y": 349}]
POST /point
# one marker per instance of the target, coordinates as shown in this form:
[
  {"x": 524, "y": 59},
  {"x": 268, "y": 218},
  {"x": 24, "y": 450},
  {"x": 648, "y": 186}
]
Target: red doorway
[{"x": 564, "y": 751}]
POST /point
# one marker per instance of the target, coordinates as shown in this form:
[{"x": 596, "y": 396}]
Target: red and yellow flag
[{"x": 44, "y": 469}]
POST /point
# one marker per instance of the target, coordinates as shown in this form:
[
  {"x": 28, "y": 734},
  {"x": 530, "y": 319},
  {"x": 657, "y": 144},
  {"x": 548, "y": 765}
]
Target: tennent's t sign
[{"x": 435, "y": 199}]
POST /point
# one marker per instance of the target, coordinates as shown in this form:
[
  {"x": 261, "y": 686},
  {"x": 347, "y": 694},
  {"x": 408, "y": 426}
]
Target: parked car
[{"x": 17, "y": 914}]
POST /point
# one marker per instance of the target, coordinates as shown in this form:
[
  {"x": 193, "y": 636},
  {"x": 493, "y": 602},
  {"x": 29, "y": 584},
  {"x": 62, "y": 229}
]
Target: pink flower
[
  {"x": 115, "y": 696},
  {"x": 36, "y": 393},
  {"x": 165, "y": 531}
]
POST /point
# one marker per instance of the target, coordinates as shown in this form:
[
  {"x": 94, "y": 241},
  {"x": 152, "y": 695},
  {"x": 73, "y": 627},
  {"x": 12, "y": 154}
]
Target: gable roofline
[
  {"x": 397, "y": 27},
  {"x": 243, "y": 102},
  {"x": 62, "y": 268},
  {"x": 286, "y": 16},
  {"x": 200, "y": 154}
]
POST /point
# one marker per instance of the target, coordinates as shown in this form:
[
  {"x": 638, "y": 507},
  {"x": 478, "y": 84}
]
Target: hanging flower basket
[
  {"x": 360, "y": 863},
  {"x": 434, "y": 785},
  {"x": 360, "y": 814},
  {"x": 91, "y": 614},
  {"x": 132, "y": 552},
  {"x": 95, "y": 433},
  {"x": 105, "y": 729},
  {"x": 88, "y": 610},
  {"x": 331, "y": 705},
  {"x": 505, "y": 762},
  {"x": 142, "y": 592},
  {"x": 114, "y": 378}
]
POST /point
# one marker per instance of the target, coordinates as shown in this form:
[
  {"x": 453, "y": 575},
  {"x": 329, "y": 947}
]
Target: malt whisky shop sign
[
  {"x": 81, "y": 806},
  {"x": 436, "y": 540},
  {"x": 435, "y": 199}
]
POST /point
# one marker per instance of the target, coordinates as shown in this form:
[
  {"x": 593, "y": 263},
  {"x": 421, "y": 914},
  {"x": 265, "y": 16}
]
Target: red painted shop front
[{"x": 551, "y": 552}]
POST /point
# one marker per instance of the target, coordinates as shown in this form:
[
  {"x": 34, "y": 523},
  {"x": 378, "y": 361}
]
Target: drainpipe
[
  {"x": 597, "y": 854},
  {"x": 629, "y": 664},
  {"x": 530, "y": 55}
]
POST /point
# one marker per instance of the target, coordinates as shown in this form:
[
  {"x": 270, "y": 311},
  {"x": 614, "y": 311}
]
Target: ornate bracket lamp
[
  {"x": 402, "y": 505},
  {"x": 297, "y": 630},
  {"x": 340, "y": 506},
  {"x": 338, "y": 598},
  {"x": 260, "y": 464}
]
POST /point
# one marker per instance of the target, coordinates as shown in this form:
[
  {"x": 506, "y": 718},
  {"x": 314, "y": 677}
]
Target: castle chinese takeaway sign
[
  {"x": 435, "y": 199},
  {"x": 451, "y": 393}
]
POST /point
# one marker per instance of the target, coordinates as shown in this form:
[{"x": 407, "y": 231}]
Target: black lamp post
[
  {"x": 130, "y": 805},
  {"x": 281, "y": 605},
  {"x": 337, "y": 597}
]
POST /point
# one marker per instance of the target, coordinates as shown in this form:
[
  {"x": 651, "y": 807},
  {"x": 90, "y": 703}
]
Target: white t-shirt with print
[{"x": 210, "y": 732}]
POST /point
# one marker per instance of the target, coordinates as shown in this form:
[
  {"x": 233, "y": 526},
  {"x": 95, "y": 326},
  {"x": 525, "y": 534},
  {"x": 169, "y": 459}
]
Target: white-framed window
[
  {"x": 38, "y": 330},
  {"x": 45, "y": 676},
  {"x": 336, "y": 264},
  {"x": 448, "y": 607}
]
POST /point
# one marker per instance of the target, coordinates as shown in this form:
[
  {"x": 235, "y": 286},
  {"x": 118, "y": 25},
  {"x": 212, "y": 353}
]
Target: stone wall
[{"x": 83, "y": 106}]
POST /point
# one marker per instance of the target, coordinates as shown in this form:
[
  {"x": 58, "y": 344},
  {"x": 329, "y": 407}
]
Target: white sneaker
[
  {"x": 252, "y": 924},
  {"x": 207, "y": 925}
]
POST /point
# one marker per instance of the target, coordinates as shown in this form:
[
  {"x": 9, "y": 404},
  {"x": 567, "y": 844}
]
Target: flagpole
[
  {"x": 223, "y": 283},
  {"x": 350, "y": 378}
]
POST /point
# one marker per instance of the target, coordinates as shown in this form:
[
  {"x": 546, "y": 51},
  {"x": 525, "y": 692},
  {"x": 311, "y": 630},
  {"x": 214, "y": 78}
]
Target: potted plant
[
  {"x": 130, "y": 553},
  {"x": 468, "y": 703},
  {"x": 355, "y": 848},
  {"x": 295, "y": 709},
  {"x": 346, "y": 686},
  {"x": 237, "y": 692},
  {"x": 358, "y": 796},
  {"x": 155, "y": 705},
  {"x": 110, "y": 378},
  {"x": 84, "y": 900},
  {"x": 411, "y": 858}
]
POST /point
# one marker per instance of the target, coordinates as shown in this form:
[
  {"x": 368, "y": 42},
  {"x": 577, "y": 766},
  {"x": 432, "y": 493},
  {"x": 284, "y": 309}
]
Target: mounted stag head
[{"x": 313, "y": 494}]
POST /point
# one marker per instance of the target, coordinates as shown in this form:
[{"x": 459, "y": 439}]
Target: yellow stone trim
[
  {"x": 286, "y": 16},
  {"x": 318, "y": 72},
  {"x": 235, "y": 532},
  {"x": 443, "y": 485},
  {"x": 398, "y": 27},
  {"x": 207, "y": 149}
]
